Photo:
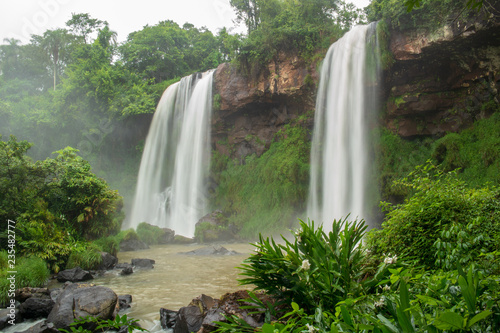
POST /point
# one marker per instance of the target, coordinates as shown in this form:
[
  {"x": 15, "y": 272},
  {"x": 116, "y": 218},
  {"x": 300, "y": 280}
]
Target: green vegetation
[
  {"x": 442, "y": 223},
  {"x": 30, "y": 272},
  {"x": 56, "y": 203},
  {"x": 86, "y": 256},
  {"x": 421, "y": 14},
  {"x": 331, "y": 282},
  {"x": 101, "y": 325},
  {"x": 289, "y": 26},
  {"x": 266, "y": 192}
]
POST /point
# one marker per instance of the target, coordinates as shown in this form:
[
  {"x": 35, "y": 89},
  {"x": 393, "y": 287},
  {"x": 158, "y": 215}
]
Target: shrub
[
  {"x": 86, "y": 256},
  {"x": 315, "y": 269},
  {"x": 109, "y": 244},
  {"x": 442, "y": 223},
  {"x": 149, "y": 234}
]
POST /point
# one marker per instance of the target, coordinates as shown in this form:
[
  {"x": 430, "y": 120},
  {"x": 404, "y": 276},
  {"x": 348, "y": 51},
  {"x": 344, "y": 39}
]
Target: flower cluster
[
  {"x": 390, "y": 260},
  {"x": 305, "y": 265}
]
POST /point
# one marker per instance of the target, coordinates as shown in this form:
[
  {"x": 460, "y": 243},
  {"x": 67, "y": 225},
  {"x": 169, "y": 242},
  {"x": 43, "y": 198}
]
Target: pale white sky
[{"x": 21, "y": 18}]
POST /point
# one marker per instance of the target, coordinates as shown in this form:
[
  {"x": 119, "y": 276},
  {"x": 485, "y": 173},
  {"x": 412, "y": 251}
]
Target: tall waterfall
[
  {"x": 171, "y": 183},
  {"x": 340, "y": 146}
]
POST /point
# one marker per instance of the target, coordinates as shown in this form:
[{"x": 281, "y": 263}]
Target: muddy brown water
[{"x": 176, "y": 279}]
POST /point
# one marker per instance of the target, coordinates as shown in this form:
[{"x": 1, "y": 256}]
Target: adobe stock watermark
[
  {"x": 11, "y": 271},
  {"x": 95, "y": 138},
  {"x": 36, "y": 23}
]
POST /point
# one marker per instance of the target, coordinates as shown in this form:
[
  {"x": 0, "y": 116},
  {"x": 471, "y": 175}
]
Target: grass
[{"x": 30, "y": 272}]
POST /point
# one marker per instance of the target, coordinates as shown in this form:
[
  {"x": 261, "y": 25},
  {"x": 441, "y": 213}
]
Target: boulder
[
  {"x": 54, "y": 293},
  {"x": 189, "y": 319},
  {"x": 42, "y": 327},
  {"x": 124, "y": 301},
  {"x": 81, "y": 300},
  {"x": 214, "y": 250},
  {"x": 127, "y": 271},
  {"x": 133, "y": 245},
  {"x": 34, "y": 307},
  {"x": 167, "y": 318},
  {"x": 108, "y": 261},
  {"x": 23, "y": 294},
  {"x": 178, "y": 239},
  {"x": 74, "y": 275},
  {"x": 123, "y": 265},
  {"x": 143, "y": 263},
  {"x": 214, "y": 227},
  {"x": 167, "y": 236}
]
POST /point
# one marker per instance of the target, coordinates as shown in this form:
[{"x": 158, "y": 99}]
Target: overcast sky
[{"x": 21, "y": 18}]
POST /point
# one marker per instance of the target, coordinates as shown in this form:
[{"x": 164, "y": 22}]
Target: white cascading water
[
  {"x": 171, "y": 189},
  {"x": 340, "y": 147}
]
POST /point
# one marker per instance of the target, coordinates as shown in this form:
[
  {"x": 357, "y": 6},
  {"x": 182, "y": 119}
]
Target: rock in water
[
  {"x": 74, "y": 275},
  {"x": 124, "y": 301},
  {"x": 133, "y": 245},
  {"x": 35, "y": 307},
  {"x": 189, "y": 319},
  {"x": 81, "y": 300},
  {"x": 143, "y": 263},
  {"x": 214, "y": 250},
  {"x": 108, "y": 261},
  {"x": 167, "y": 318}
]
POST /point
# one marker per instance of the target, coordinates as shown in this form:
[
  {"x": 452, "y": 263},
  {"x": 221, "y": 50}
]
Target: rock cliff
[
  {"x": 442, "y": 81},
  {"x": 250, "y": 109}
]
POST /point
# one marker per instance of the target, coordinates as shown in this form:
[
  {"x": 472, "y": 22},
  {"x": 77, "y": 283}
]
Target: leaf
[
  {"x": 428, "y": 300},
  {"x": 478, "y": 317},
  {"x": 267, "y": 328},
  {"x": 449, "y": 320},
  {"x": 387, "y": 324}
]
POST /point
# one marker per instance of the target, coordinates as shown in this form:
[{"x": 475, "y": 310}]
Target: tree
[
  {"x": 248, "y": 12},
  {"x": 470, "y": 4},
  {"x": 83, "y": 26},
  {"x": 54, "y": 42}
]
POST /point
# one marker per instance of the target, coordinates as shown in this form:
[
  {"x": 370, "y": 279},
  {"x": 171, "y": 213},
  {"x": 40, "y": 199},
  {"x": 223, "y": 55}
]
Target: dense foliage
[
  {"x": 266, "y": 192},
  {"x": 331, "y": 283},
  {"x": 442, "y": 223},
  {"x": 303, "y": 27},
  {"x": 56, "y": 202},
  {"x": 423, "y": 14}
]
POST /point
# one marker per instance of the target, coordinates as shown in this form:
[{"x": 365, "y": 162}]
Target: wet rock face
[
  {"x": 80, "y": 300},
  {"x": 440, "y": 82},
  {"x": 203, "y": 311},
  {"x": 250, "y": 108}
]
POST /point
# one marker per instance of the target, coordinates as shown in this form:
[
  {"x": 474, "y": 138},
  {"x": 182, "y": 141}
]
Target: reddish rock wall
[{"x": 252, "y": 109}]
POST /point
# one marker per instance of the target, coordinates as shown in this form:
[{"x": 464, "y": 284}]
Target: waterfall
[
  {"x": 170, "y": 188},
  {"x": 340, "y": 146}
]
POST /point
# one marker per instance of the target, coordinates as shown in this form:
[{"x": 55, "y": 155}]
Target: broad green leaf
[
  {"x": 480, "y": 316},
  {"x": 449, "y": 320},
  {"x": 267, "y": 328}
]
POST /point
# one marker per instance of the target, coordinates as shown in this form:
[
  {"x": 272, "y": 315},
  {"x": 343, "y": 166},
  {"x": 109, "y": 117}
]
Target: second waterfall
[
  {"x": 345, "y": 104},
  {"x": 171, "y": 189}
]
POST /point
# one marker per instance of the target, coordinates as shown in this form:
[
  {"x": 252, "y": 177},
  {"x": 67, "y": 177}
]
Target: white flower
[
  {"x": 305, "y": 265},
  {"x": 380, "y": 302},
  {"x": 386, "y": 288},
  {"x": 390, "y": 260},
  {"x": 311, "y": 328}
]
